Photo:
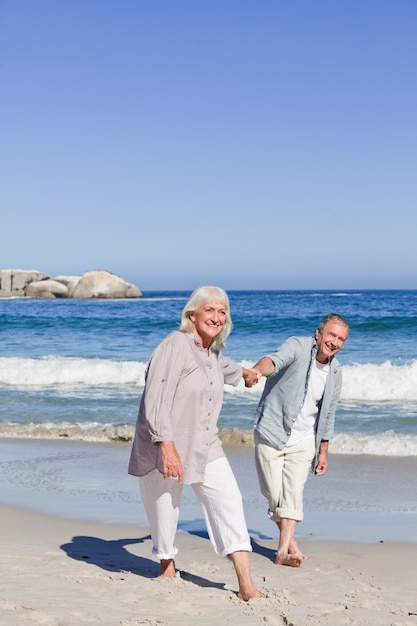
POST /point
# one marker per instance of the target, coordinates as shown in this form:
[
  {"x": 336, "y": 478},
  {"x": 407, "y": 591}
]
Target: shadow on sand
[{"x": 113, "y": 556}]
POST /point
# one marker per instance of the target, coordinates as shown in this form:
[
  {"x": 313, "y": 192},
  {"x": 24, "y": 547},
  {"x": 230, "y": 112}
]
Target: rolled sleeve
[{"x": 162, "y": 377}]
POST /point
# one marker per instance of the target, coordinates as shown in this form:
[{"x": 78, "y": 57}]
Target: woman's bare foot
[
  {"x": 248, "y": 593},
  {"x": 241, "y": 563},
  {"x": 167, "y": 568}
]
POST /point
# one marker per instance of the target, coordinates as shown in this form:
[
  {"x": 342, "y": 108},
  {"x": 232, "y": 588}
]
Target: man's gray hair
[{"x": 332, "y": 317}]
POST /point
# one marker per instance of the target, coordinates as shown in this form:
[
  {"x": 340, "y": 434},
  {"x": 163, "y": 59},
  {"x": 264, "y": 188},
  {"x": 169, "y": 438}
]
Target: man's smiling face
[{"x": 330, "y": 340}]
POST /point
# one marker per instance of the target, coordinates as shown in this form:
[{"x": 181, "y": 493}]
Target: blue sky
[{"x": 253, "y": 144}]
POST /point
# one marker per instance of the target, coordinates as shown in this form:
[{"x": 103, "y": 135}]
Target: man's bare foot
[
  {"x": 295, "y": 550},
  {"x": 292, "y": 560},
  {"x": 248, "y": 594},
  {"x": 167, "y": 568}
]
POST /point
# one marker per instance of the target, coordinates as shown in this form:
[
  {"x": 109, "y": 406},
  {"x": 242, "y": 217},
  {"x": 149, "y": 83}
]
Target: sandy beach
[
  {"x": 75, "y": 547},
  {"x": 65, "y": 572}
]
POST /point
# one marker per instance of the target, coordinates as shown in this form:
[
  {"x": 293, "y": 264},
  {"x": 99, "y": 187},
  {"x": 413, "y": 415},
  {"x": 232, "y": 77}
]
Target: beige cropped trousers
[{"x": 282, "y": 475}]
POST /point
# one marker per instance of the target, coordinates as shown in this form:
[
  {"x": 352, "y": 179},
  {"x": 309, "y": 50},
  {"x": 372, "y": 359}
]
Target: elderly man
[{"x": 294, "y": 422}]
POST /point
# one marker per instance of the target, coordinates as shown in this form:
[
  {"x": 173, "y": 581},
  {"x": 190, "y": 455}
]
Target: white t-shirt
[{"x": 305, "y": 421}]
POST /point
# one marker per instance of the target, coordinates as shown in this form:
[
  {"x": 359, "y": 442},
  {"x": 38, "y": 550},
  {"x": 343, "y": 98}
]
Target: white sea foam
[
  {"x": 69, "y": 371},
  {"x": 382, "y": 444},
  {"x": 380, "y": 382},
  {"x": 338, "y": 294},
  {"x": 92, "y": 431},
  {"x": 368, "y": 382}
]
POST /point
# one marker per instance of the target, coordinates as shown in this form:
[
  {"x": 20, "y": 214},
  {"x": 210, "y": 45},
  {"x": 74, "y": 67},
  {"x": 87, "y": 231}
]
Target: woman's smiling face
[{"x": 208, "y": 321}]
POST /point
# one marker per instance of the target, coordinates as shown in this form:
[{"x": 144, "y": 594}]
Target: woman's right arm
[{"x": 162, "y": 379}]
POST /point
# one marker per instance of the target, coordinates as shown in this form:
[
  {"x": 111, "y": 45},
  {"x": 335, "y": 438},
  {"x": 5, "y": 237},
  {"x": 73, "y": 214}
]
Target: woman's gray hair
[{"x": 207, "y": 294}]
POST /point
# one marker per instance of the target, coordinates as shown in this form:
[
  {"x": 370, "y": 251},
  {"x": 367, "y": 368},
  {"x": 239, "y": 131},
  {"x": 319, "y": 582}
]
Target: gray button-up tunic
[{"x": 181, "y": 402}]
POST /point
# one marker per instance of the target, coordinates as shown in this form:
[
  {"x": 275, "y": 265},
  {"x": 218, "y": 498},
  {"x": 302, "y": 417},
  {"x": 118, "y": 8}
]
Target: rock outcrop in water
[{"x": 93, "y": 284}]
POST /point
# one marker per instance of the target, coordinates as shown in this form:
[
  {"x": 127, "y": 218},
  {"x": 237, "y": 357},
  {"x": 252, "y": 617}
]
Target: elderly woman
[{"x": 176, "y": 438}]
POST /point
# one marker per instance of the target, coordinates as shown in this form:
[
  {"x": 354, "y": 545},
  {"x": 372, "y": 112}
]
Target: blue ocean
[{"x": 74, "y": 369}]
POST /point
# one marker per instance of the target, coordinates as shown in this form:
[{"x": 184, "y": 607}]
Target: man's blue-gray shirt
[{"x": 285, "y": 391}]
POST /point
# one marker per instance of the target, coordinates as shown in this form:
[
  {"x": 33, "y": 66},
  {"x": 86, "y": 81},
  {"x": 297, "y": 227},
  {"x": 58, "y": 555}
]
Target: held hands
[
  {"x": 264, "y": 367},
  {"x": 171, "y": 462},
  {"x": 251, "y": 376}
]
